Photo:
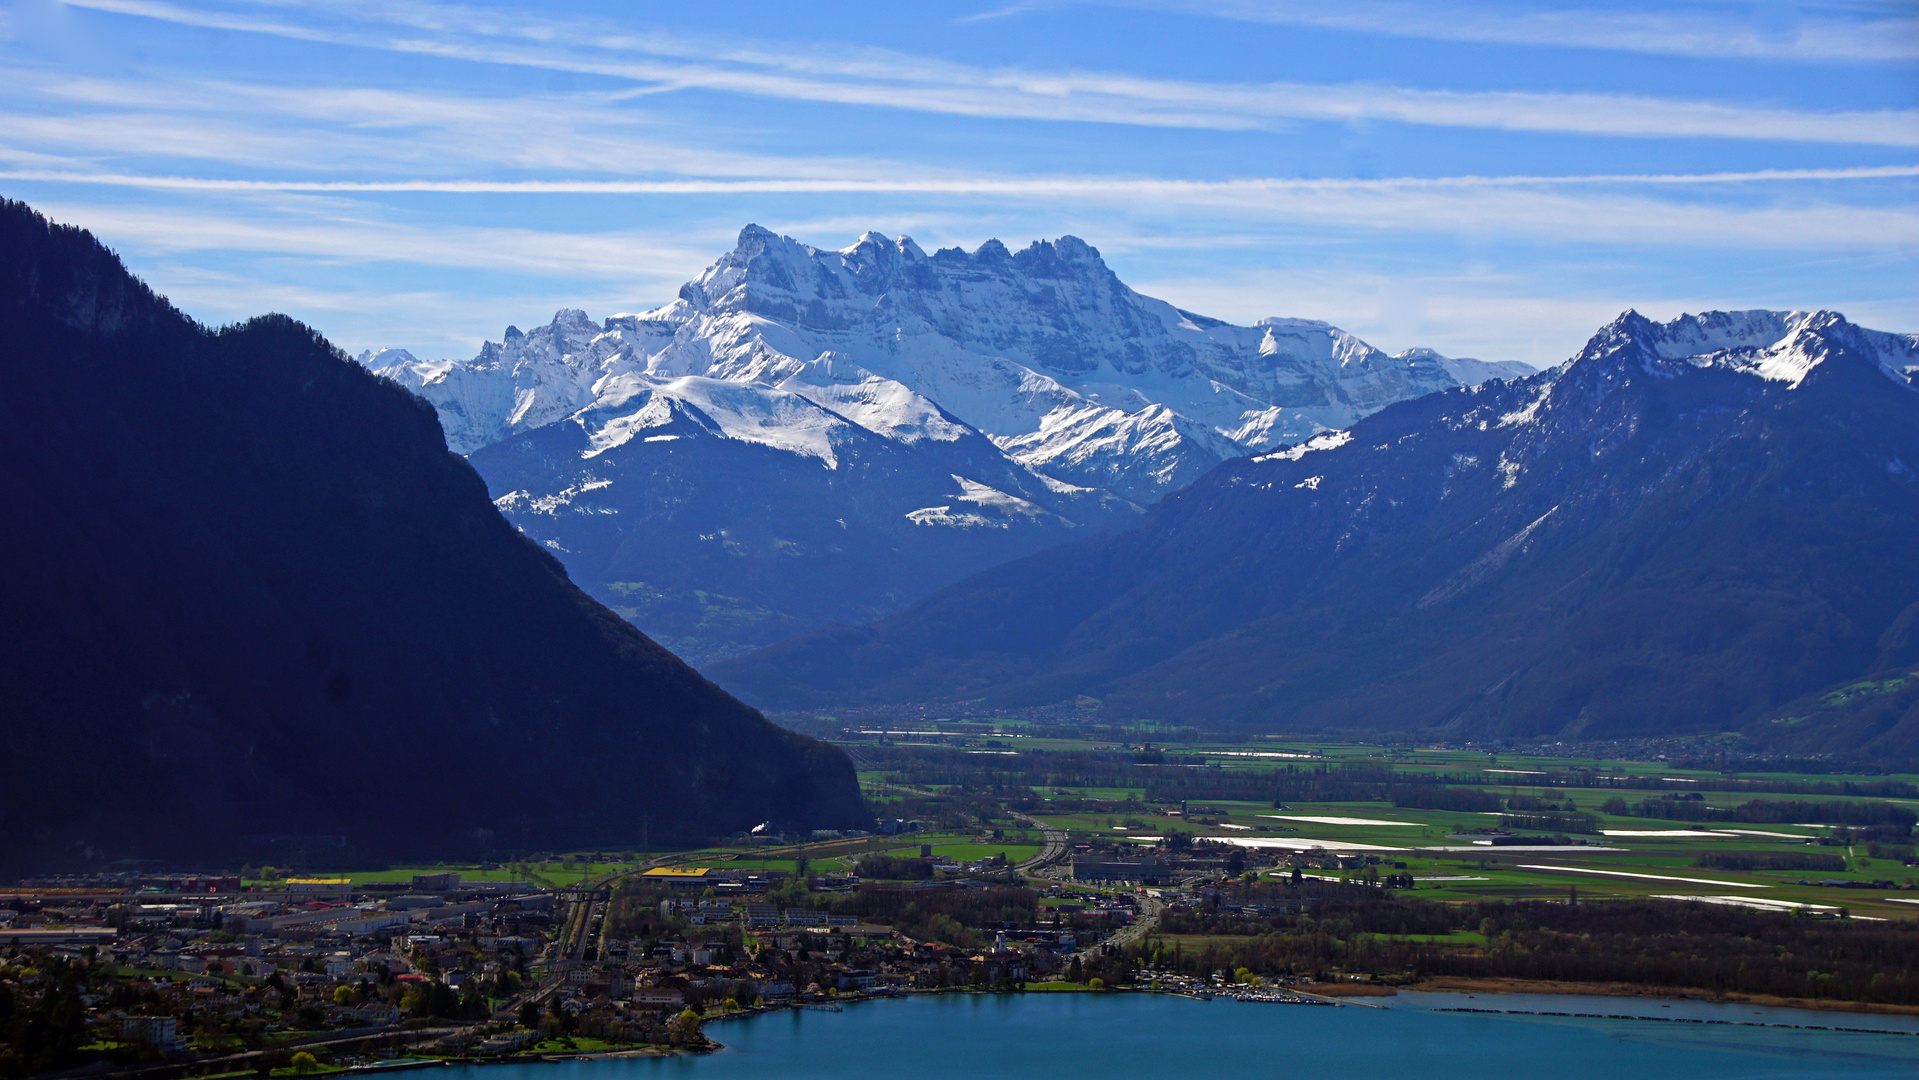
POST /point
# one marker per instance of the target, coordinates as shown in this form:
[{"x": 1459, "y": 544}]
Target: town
[
  {"x": 204, "y": 974},
  {"x": 1294, "y": 874}
]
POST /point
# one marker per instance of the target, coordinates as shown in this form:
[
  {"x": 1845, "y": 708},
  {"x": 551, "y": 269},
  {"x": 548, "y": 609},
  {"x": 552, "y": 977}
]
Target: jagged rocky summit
[
  {"x": 1699, "y": 525},
  {"x": 257, "y": 612},
  {"x": 811, "y": 435}
]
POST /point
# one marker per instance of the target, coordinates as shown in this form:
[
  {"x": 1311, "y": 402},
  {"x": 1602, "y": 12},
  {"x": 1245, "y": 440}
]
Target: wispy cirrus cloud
[
  {"x": 1497, "y": 315},
  {"x": 1536, "y": 208},
  {"x": 884, "y": 79},
  {"x": 1827, "y": 33},
  {"x": 258, "y": 127},
  {"x": 389, "y": 317},
  {"x": 322, "y": 231},
  {"x": 1199, "y": 191},
  {"x": 416, "y": 171}
]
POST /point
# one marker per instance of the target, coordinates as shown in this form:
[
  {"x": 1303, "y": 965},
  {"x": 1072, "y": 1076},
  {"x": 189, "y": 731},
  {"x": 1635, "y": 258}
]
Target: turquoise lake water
[{"x": 1056, "y": 1036}]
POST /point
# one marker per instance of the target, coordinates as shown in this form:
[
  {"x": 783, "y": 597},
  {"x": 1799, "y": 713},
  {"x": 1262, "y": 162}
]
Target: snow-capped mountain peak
[
  {"x": 1779, "y": 346},
  {"x": 1044, "y": 350}
]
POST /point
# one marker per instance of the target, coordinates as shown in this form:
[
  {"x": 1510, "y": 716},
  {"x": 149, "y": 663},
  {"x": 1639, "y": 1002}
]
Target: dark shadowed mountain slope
[
  {"x": 251, "y": 595},
  {"x": 1682, "y": 528},
  {"x": 1875, "y": 715}
]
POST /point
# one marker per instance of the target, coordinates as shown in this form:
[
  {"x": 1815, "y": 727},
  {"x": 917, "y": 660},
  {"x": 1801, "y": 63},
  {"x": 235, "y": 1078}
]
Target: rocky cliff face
[
  {"x": 970, "y": 408},
  {"x": 1683, "y": 528},
  {"x": 256, "y": 601}
]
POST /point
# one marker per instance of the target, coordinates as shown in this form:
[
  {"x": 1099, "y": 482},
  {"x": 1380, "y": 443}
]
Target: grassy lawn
[
  {"x": 317, "y": 1070},
  {"x": 558, "y": 872},
  {"x": 1457, "y": 937},
  {"x": 790, "y": 866},
  {"x": 578, "y": 1044}
]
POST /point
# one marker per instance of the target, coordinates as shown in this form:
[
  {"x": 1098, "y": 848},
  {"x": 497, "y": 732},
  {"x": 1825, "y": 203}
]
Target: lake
[{"x": 1053, "y": 1036}]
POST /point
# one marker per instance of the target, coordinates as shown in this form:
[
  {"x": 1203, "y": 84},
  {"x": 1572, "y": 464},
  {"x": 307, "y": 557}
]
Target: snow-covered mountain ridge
[
  {"x": 805, "y": 436},
  {"x": 1045, "y": 351},
  {"x": 1774, "y": 346}
]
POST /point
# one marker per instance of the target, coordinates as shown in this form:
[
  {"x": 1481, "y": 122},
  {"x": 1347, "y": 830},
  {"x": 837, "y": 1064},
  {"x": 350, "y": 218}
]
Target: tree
[
  {"x": 684, "y": 1029},
  {"x": 304, "y": 1062}
]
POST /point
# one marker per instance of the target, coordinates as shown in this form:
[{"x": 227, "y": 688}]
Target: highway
[
  {"x": 1053, "y": 846},
  {"x": 1149, "y": 909},
  {"x": 1052, "y": 850}
]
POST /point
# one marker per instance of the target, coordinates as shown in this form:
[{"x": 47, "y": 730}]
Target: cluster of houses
[
  {"x": 326, "y": 954},
  {"x": 1132, "y": 864},
  {"x": 776, "y": 962},
  {"x": 201, "y": 951}
]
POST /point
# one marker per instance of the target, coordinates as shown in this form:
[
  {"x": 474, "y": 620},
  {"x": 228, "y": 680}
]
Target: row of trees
[
  {"x": 44, "y": 1023},
  {"x": 1771, "y": 860},
  {"x": 943, "y": 915},
  {"x": 1652, "y": 943},
  {"x": 895, "y": 868},
  {"x": 1770, "y": 811}
]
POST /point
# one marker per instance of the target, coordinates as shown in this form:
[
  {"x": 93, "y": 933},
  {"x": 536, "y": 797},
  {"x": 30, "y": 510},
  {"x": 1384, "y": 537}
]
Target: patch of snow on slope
[
  {"x": 1485, "y": 566},
  {"x": 526, "y": 502},
  {"x": 1526, "y": 413},
  {"x": 944, "y": 515},
  {"x": 655, "y": 412},
  {"x": 879, "y": 405},
  {"x": 979, "y": 494},
  {"x": 1331, "y": 440},
  {"x": 744, "y": 411},
  {"x": 997, "y": 508}
]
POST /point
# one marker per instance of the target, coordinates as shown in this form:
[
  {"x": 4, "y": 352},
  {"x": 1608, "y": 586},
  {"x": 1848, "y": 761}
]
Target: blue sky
[{"x": 1487, "y": 179}]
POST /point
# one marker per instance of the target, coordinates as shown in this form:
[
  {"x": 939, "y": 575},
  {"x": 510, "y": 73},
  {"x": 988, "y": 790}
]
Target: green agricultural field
[
  {"x": 790, "y": 866},
  {"x": 467, "y": 872},
  {"x": 553, "y": 872},
  {"x": 1111, "y": 782},
  {"x": 967, "y": 853},
  {"x": 1647, "y": 865},
  {"x": 1457, "y": 937}
]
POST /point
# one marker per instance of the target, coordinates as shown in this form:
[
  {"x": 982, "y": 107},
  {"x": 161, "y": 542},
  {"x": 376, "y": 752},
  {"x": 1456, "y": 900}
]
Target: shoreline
[
  {"x": 1334, "y": 991},
  {"x": 1462, "y": 984}
]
